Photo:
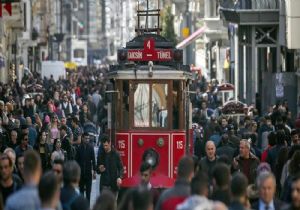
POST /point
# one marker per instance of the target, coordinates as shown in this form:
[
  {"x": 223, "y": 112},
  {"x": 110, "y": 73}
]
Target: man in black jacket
[
  {"x": 85, "y": 157},
  {"x": 110, "y": 166}
]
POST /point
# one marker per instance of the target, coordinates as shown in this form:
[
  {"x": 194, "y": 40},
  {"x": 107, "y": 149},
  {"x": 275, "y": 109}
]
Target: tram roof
[{"x": 142, "y": 72}]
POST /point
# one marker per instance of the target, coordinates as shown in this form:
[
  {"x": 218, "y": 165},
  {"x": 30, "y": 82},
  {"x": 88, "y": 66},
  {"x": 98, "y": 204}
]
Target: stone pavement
[
  {"x": 95, "y": 191},
  {"x": 95, "y": 185}
]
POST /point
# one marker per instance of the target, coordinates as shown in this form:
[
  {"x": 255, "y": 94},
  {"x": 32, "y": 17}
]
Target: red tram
[{"x": 149, "y": 105}]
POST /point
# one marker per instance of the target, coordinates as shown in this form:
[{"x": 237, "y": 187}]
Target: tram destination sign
[{"x": 149, "y": 53}]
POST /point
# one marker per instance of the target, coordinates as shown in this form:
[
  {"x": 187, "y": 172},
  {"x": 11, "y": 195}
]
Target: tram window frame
[{"x": 132, "y": 83}]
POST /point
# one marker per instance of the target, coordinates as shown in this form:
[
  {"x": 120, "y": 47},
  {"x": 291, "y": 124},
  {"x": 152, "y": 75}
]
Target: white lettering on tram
[
  {"x": 122, "y": 144},
  {"x": 163, "y": 55},
  {"x": 135, "y": 55}
]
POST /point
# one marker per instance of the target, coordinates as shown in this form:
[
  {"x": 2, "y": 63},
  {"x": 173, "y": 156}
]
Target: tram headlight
[{"x": 151, "y": 157}]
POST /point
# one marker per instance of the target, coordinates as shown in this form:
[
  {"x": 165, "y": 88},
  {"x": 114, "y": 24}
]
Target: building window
[
  {"x": 78, "y": 53},
  {"x": 75, "y": 5}
]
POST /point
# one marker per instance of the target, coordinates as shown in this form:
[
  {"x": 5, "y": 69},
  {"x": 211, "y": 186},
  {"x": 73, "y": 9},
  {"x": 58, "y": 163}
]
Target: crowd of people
[{"x": 48, "y": 162}]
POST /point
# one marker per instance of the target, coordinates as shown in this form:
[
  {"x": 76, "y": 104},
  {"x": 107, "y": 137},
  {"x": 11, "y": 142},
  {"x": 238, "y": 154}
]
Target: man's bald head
[{"x": 210, "y": 150}]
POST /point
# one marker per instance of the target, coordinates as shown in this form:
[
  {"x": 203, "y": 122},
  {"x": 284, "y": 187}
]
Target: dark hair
[
  {"x": 54, "y": 144},
  {"x": 71, "y": 172},
  {"x": 85, "y": 134},
  {"x": 272, "y": 138},
  {"x": 293, "y": 149},
  {"x": 63, "y": 127},
  {"x": 296, "y": 178},
  {"x": 253, "y": 137},
  {"x": 185, "y": 167},
  {"x": 106, "y": 201},
  {"x": 145, "y": 167},
  {"x": 126, "y": 201},
  {"x": 239, "y": 184},
  {"x": 58, "y": 161},
  {"x": 141, "y": 198},
  {"x": 48, "y": 186},
  {"x": 224, "y": 159},
  {"x": 280, "y": 137},
  {"x": 199, "y": 183},
  {"x": 5, "y": 157},
  {"x": 294, "y": 132},
  {"x": 23, "y": 135},
  {"x": 105, "y": 138},
  {"x": 294, "y": 166},
  {"x": 32, "y": 162},
  {"x": 267, "y": 118},
  {"x": 221, "y": 174},
  {"x": 75, "y": 120}
]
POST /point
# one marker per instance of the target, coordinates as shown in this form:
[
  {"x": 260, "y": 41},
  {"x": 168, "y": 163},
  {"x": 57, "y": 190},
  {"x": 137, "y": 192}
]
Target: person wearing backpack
[{"x": 70, "y": 197}]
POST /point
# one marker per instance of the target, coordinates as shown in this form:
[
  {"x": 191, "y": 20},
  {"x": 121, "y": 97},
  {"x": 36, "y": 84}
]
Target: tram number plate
[{"x": 179, "y": 144}]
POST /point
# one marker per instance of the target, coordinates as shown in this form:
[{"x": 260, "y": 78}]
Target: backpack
[{"x": 67, "y": 205}]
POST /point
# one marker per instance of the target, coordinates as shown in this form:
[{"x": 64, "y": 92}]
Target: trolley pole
[{"x": 236, "y": 62}]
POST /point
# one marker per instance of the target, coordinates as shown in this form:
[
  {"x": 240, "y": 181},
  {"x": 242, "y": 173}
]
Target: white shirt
[{"x": 262, "y": 205}]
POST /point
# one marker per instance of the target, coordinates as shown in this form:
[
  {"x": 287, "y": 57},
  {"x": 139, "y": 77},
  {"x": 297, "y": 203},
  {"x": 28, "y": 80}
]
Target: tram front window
[
  {"x": 141, "y": 105},
  {"x": 159, "y": 105}
]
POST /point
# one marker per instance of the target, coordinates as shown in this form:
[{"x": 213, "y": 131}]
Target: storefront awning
[{"x": 191, "y": 38}]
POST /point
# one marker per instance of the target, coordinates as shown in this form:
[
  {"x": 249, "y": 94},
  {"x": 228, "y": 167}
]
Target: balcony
[
  {"x": 215, "y": 29},
  {"x": 256, "y": 12}
]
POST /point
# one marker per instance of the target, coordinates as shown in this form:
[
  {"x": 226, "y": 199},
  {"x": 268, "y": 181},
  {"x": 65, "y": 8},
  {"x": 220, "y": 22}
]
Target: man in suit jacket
[
  {"x": 266, "y": 183},
  {"x": 85, "y": 157}
]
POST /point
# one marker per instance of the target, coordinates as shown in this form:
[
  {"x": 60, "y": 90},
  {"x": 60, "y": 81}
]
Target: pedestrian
[
  {"x": 110, "y": 166},
  {"x": 20, "y": 167},
  {"x": 281, "y": 141},
  {"x": 145, "y": 173},
  {"x": 77, "y": 131},
  {"x": 239, "y": 185},
  {"x": 57, "y": 168},
  {"x": 9, "y": 183},
  {"x": 49, "y": 191},
  {"x": 225, "y": 149},
  {"x": 207, "y": 163},
  {"x": 266, "y": 184},
  {"x": 70, "y": 198},
  {"x": 199, "y": 190},
  {"x": 43, "y": 149},
  {"x": 85, "y": 157},
  {"x": 24, "y": 146},
  {"x": 13, "y": 141},
  {"x": 27, "y": 197},
  {"x": 295, "y": 194},
  {"x": 58, "y": 152},
  {"x": 142, "y": 199},
  {"x": 66, "y": 143},
  {"x": 221, "y": 183},
  {"x": 106, "y": 201},
  {"x": 294, "y": 168},
  {"x": 246, "y": 162},
  {"x": 170, "y": 198}
]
